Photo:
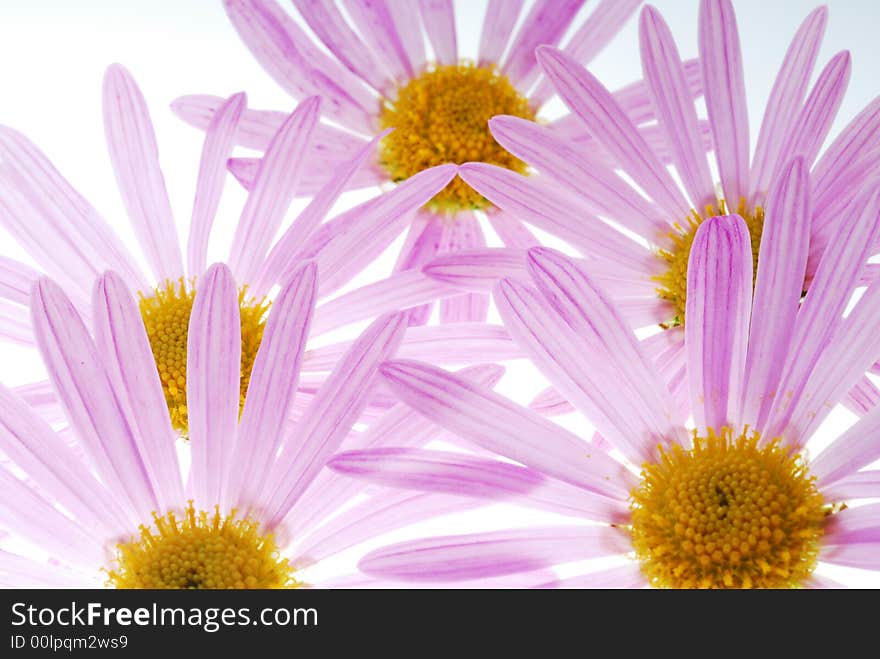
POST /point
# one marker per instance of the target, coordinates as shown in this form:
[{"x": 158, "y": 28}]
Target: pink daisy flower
[
  {"x": 579, "y": 198},
  {"x": 376, "y": 73},
  {"x": 70, "y": 241},
  {"x": 123, "y": 515},
  {"x": 736, "y": 502}
]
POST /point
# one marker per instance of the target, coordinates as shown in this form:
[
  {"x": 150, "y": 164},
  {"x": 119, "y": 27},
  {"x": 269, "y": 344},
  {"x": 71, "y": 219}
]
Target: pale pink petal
[
  {"x": 605, "y": 119},
  {"x": 583, "y": 346},
  {"x": 464, "y": 233},
  {"x": 601, "y": 26},
  {"x": 852, "y": 538},
  {"x": 550, "y": 208},
  {"x": 860, "y": 485},
  {"x": 625, "y": 576},
  {"x": 20, "y": 572},
  {"x": 379, "y": 221},
  {"x": 811, "y": 126},
  {"x": 128, "y": 359},
  {"x": 481, "y": 478},
  {"x": 577, "y": 169},
  {"x": 492, "y": 554},
  {"x": 820, "y": 582},
  {"x": 423, "y": 240},
  {"x": 131, "y": 142},
  {"x": 375, "y": 21},
  {"x": 719, "y": 301},
  {"x": 863, "y": 397},
  {"x": 545, "y": 23},
  {"x": 823, "y": 307},
  {"x": 858, "y": 447},
  {"x": 501, "y": 17},
  {"x": 477, "y": 270},
  {"x": 212, "y": 383},
  {"x": 273, "y": 384},
  {"x": 511, "y": 231},
  {"x": 778, "y": 285},
  {"x": 785, "y": 100},
  {"x": 336, "y": 407},
  {"x": 277, "y": 265},
  {"x": 15, "y": 324},
  {"x": 330, "y": 26},
  {"x": 491, "y": 421},
  {"x": 298, "y": 65},
  {"x": 402, "y": 290},
  {"x": 36, "y": 201},
  {"x": 381, "y": 513},
  {"x": 16, "y": 280},
  {"x": 439, "y": 20},
  {"x": 273, "y": 191},
  {"x": 551, "y": 403},
  {"x": 28, "y": 441},
  {"x": 452, "y": 343},
  {"x": 75, "y": 368},
  {"x": 408, "y": 22},
  {"x": 518, "y": 580},
  {"x": 725, "y": 92},
  {"x": 219, "y": 138},
  {"x": 674, "y": 106}
]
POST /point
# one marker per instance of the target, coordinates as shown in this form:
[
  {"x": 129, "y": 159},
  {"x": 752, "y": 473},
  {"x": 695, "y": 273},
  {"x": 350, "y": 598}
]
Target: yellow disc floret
[
  {"x": 441, "y": 117},
  {"x": 672, "y": 284},
  {"x": 731, "y": 512},
  {"x": 166, "y": 316},
  {"x": 200, "y": 551}
]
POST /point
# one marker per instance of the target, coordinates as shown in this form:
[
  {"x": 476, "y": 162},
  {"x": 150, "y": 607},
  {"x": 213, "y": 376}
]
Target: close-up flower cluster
[{"x": 444, "y": 294}]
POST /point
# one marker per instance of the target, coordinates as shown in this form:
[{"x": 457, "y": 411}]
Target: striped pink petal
[
  {"x": 438, "y": 17},
  {"x": 853, "y": 538},
  {"x": 463, "y": 234},
  {"x": 860, "y": 485},
  {"x": 375, "y": 22},
  {"x": 854, "y": 449},
  {"x": 719, "y": 300},
  {"x": 16, "y": 280},
  {"x": 273, "y": 191},
  {"x": 213, "y": 384},
  {"x": 501, "y": 17},
  {"x": 625, "y": 576},
  {"x": 135, "y": 157},
  {"x": 725, "y": 92}
]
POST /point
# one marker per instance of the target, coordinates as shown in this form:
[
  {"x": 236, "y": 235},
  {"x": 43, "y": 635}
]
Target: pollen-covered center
[
  {"x": 441, "y": 117},
  {"x": 730, "y": 512},
  {"x": 201, "y": 550},
  {"x": 672, "y": 284},
  {"x": 166, "y": 316}
]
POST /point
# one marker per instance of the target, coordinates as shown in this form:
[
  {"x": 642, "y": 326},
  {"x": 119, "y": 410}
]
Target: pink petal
[
  {"x": 725, "y": 92},
  {"x": 575, "y": 168},
  {"x": 466, "y": 476},
  {"x": 511, "y": 231},
  {"x": 16, "y": 280},
  {"x": 128, "y": 359},
  {"x": 379, "y": 221},
  {"x": 491, "y": 421},
  {"x": 92, "y": 407},
  {"x": 135, "y": 157},
  {"x": 606, "y": 121},
  {"x": 860, "y": 485},
  {"x": 219, "y": 138},
  {"x": 501, "y": 17},
  {"x": 625, "y": 576},
  {"x": 492, "y": 554},
  {"x": 579, "y": 342},
  {"x": 674, "y": 106},
  {"x": 558, "y": 212},
  {"x": 15, "y": 324},
  {"x": 273, "y": 191},
  {"x": 330, "y": 26},
  {"x": 719, "y": 300},
  {"x": 463, "y": 234},
  {"x": 422, "y": 242},
  {"x": 477, "y": 270},
  {"x": 854, "y": 449},
  {"x": 278, "y": 265},
  {"x": 852, "y": 538},
  {"x": 375, "y": 21},
  {"x": 780, "y": 278},
  {"x": 212, "y": 383},
  {"x": 786, "y": 99},
  {"x": 438, "y": 17},
  {"x": 298, "y": 65},
  {"x": 335, "y": 409},
  {"x": 545, "y": 23},
  {"x": 273, "y": 384}
]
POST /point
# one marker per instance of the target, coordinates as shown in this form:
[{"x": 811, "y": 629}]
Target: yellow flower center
[
  {"x": 441, "y": 117},
  {"x": 731, "y": 512},
  {"x": 672, "y": 284},
  {"x": 166, "y": 317},
  {"x": 200, "y": 551}
]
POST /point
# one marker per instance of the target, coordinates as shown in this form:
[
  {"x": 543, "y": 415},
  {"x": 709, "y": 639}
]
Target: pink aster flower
[
  {"x": 376, "y": 73},
  {"x": 735, "y": 502},
  {"x": 70, "y": 241},
  {"x": 579, "y": 198},
  {"x": 125, "y": 514}
]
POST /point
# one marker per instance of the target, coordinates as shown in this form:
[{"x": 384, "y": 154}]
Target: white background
[{"x": 53, "y": 54}]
